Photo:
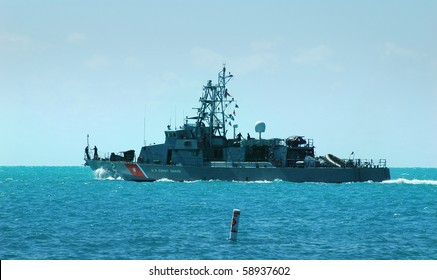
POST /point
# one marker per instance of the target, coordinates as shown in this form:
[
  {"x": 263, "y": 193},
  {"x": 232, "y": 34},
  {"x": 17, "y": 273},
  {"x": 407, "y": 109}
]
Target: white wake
[{"x": 411, "y": 182}]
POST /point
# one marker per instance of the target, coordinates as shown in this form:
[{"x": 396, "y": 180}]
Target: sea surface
[{"x": 75, "y": 213}]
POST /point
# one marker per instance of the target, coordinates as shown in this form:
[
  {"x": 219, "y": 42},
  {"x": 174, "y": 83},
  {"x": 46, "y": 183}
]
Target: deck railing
[{"x": 365, "y": 163}]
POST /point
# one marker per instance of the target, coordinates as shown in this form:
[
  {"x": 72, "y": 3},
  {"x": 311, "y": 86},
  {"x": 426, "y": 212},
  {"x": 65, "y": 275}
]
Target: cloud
[
  {"x": 75, "y": 38},
  {"x": 391, "y": 49},
  {"x": 313, "y": 56},
  {"x": 19, "y": 42},
  {"x": 320, "y": 56},
  {"x": 10, "y": 38},
  {"x": 262, "y": 45},
  {"x": 203, "y": 56},
  {"x": 97, "y": 61},
  {"x": 133, "y": 62},
  {"x": 258, "y": 55},
  {"x": 256, "y": 61}
]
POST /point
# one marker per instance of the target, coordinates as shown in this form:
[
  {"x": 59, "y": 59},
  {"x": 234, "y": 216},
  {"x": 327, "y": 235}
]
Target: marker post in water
[{"x": 234, "y": 224}]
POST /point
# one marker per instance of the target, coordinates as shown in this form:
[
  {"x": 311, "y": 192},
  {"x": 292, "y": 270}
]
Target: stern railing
[{"x": 365, "y": 163}]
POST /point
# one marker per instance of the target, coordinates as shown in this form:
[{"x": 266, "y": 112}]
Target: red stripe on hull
[{"x": 135, "y": 170}]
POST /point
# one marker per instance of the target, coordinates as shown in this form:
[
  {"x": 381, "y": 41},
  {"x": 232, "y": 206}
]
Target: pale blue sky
[{"x": 352, "y": 75}]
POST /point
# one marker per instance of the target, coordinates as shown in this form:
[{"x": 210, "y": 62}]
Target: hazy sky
[{"x": 352, "y": 75}]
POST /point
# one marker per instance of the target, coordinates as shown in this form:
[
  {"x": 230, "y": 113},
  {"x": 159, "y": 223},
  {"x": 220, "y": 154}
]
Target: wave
[
  {"x": 258, "y": 181},
  {"x": 104, "y": 174},
  {"x": 167, "y": 180},
  {"x": 411, "y": 182},
  {"x": 164, "y": 180}
]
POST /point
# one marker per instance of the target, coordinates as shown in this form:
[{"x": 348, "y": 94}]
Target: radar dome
[{"x": 260, "y": 127}]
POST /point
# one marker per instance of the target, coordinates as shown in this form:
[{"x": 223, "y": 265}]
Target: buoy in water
[{"x": 234, "y": 224}]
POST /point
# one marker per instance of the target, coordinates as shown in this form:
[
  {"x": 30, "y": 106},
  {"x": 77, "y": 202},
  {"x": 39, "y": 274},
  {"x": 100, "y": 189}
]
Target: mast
[
  {"x": 214, "y": 101},
  {"x": 222, "y": 81}
]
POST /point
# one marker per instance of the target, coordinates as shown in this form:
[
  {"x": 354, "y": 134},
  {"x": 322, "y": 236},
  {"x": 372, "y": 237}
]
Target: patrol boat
[{"x": 200, "y": 150}]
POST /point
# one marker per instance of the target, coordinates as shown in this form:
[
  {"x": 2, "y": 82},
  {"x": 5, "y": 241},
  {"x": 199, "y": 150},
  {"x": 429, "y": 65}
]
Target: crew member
[
  {"x": 96, "y": 155},
  {"x": 87, "y": 153}
]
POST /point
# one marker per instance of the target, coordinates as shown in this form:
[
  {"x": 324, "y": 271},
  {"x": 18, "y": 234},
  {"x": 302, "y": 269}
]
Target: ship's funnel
[{"x": 260, "y": 127}]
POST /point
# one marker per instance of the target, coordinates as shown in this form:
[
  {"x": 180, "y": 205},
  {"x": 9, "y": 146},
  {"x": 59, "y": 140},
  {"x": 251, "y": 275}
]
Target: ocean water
[{"x": 74, "y": 213}]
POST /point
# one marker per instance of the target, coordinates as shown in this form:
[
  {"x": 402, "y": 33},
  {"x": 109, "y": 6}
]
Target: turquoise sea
[{"x": 74, "y": 213}]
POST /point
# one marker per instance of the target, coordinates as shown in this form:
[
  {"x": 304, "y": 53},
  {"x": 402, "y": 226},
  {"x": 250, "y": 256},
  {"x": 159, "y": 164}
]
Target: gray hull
[{"x": 152, "y": 172}]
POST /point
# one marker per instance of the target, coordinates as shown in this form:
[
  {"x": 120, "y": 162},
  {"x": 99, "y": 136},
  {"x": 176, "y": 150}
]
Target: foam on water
[
  {"x": 258, "y": 182},
  {"x": 164, "y": 180},
  {"x": 103, "y": 174},
  {"x": 411, "y": 182}
]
